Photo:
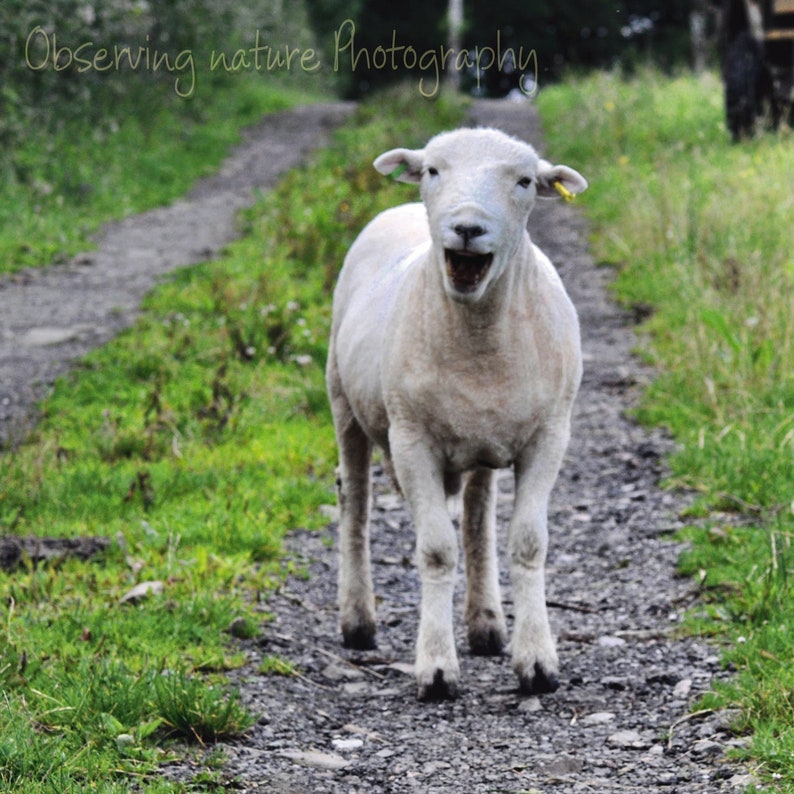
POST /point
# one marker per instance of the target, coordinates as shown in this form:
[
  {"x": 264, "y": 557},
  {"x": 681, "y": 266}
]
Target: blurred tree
[{"x": 368, "y": 40}]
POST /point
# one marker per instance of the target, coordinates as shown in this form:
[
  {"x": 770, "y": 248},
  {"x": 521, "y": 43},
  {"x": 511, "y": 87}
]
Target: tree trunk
[{"x": 697, "y": 29}]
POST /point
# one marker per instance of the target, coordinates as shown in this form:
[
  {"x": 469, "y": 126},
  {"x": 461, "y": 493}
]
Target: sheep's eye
[
  {"x": 525, "y": 182},
  {"x": 432, "y": 171}
]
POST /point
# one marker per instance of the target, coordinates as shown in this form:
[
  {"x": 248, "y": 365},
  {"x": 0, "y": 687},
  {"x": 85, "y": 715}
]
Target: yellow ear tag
[{"x": 563, "y": 191}]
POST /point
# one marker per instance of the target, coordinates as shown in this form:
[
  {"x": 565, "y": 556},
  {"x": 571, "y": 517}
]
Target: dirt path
[
  {"x": 51, "y": 316},
  {"x": 350, "y": 721}
]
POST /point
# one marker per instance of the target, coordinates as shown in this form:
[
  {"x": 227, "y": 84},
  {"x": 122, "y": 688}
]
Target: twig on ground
[
  {"x": 571, "y": 607},
  {"x": 342, "y": 659},
  {"x": 681, "y": 720}
]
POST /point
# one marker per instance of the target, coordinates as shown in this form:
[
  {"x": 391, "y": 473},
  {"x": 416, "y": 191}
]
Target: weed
[
  {"x": 189, "y": 708},
  {"x": 275, "y": 665}
]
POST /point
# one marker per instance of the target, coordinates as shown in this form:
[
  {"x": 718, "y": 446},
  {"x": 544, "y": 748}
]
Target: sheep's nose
[{"x": 468, "y": 232}]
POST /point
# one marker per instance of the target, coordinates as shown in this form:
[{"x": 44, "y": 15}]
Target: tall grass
[
  {"x": 194, "y": 441},
  {"x": 700, "y": 233}
]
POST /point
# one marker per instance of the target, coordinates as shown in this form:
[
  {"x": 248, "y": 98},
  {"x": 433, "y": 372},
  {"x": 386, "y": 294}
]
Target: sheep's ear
[
  {"x": 405, "y": 165},
  {"x": 551, "y": 178}
]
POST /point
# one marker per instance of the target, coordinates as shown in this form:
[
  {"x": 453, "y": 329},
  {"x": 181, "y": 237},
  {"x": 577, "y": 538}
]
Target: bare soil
[{"x": 349, "y": 722}]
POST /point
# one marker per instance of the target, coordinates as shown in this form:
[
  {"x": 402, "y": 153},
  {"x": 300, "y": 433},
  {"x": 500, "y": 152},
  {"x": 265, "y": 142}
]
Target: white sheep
[{"x": 455, "y": 349}]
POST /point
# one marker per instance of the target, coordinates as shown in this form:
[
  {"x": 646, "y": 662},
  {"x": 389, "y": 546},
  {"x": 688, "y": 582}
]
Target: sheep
[{"x": 455, "y": 349}]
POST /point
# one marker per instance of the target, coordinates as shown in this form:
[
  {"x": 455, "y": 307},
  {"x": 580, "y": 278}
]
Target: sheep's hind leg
[
  {"x": 487, "y": 630},
  {"x": 356, "y": 592}
]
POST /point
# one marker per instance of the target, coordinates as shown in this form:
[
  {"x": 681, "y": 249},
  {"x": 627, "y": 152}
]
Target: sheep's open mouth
[{"x": 465, "y": 269}]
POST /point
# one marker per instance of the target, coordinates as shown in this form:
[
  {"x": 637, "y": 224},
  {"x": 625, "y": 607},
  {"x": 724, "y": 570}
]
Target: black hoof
[
  {"x": 359, "y": 639},
  {"x": 542, "y": 683},
  {"x": 438, "y": 690},
  {"x": 487, "y": 643}
]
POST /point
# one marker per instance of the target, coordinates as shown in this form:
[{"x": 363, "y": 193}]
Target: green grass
[
  {"x": 699, "y": 232},
  {"x": 194, "y": 442},
  {"x": 62, "y": 180}
]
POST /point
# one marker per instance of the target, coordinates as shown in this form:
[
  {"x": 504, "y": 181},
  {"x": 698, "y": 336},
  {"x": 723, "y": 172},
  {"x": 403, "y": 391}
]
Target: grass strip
[
  {"x": 700, "y": 234},
  {"x": 194, "y": 441}
]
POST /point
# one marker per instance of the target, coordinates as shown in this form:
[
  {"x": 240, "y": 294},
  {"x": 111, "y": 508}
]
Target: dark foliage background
[{"x": 565, "y": 34}]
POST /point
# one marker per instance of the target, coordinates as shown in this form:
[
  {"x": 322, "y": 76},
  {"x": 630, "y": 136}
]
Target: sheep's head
[{"x": 479, "y": 186}]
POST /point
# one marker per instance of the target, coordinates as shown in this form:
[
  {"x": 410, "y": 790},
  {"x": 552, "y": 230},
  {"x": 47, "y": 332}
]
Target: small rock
[
  {"x": 705, "y": 748},
  {"x": 597, "y": 718},
  {"x": 682, "y": 688},
  {"x": 388, "y": 692},
  {"x": 388, "y": 502},
  {"x": 316, "y": 759},
  {"x": 141, "y": 591},
  {"x": 611, "y": 642},
  {"x": 347, "y": 744},
  {"x": 530, "y": 705},
  {"x": 432, "y": 767},
  {"x": 562, "y": 766},
  {"x": 629, "y": 740},
  {"x": 726, "y": 720},
  {"x": 706, "y": 731},
  {"x": 45, "y": 337}
]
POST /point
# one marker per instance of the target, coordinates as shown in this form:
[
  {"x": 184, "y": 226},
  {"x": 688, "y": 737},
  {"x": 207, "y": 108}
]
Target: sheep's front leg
[
  {"x": 421, "y": 479},
  {"x": 534, "y": 652},
  {"x": 487, "y": 630}
]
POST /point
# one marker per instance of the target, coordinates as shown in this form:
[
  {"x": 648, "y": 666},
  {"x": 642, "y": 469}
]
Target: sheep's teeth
[{"x": 466, "y": 269}]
